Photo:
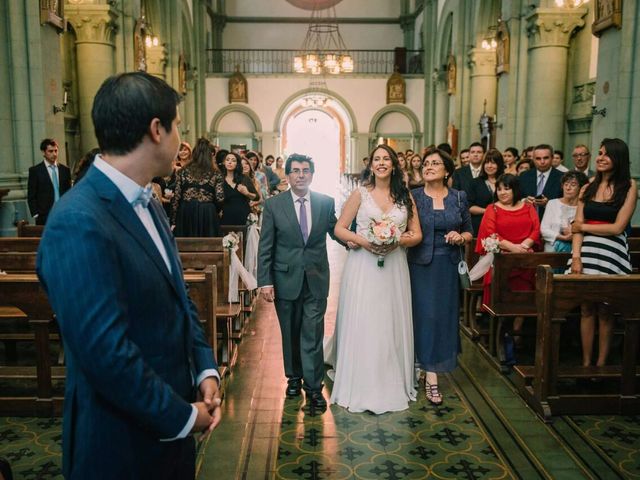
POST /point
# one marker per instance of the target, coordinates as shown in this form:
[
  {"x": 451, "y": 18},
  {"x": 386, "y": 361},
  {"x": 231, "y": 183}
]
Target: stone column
[
  {"x": 94, "y": 26},
  {"x": 484, "y": 85},
  {"x": 549, "y": 31},
  {"x": 441, "y": 118}
]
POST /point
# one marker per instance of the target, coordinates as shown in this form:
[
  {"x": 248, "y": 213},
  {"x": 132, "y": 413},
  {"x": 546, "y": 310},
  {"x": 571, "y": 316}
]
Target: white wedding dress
[{"x": 372, "y": 345}]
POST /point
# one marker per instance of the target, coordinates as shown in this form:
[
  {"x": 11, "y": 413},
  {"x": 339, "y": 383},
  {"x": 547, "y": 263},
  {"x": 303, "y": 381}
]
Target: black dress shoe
[
  {"x": 316, "y": 404},
  {"x": 294, "y": 387}
]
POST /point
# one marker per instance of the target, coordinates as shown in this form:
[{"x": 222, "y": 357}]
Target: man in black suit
[
  {"x": 542, "y": 183},
  {"x": 463, "y": 176},
  {"x": 48, "y": 181}
]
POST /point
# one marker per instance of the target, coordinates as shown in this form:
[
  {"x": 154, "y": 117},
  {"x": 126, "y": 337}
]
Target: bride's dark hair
[{"x": 399, "y": 191}]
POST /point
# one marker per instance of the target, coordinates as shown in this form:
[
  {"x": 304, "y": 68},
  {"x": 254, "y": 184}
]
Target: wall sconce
[
  {"x": 570, "y": 3},
  {"x": 65, "y": 101},
  {"x": 594, "y": 109}
]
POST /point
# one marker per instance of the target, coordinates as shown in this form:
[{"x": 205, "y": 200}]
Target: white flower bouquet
[{"x": 383, "y": 232}]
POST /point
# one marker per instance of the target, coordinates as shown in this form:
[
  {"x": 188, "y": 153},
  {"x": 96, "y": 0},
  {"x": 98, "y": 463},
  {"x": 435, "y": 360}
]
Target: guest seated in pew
[
  {"x": 600, "y": 245},
  {"x": 560, "y": 212},
  {"x": 135, "y": 351},
  {"x": 515, "y": 225}
]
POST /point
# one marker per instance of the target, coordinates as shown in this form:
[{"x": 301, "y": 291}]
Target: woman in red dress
[{"x": 516, "y": 226}]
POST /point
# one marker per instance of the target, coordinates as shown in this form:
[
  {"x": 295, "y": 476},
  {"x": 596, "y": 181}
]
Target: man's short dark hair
[
  {"x": 297, "y": 157},
  {"x": 559, "y": 153},
  {"x": 544, "y": 146},
  {"x": 44, "y": 144},
  {"x": 476, "y": 144},
  {"x": 446, "y": 148},
  {"x": 124, "y": 107},
  {"x": 464, "y": 150}
]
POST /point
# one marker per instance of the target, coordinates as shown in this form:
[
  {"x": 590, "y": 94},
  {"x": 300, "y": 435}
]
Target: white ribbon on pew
[
  {"x": 236, "y": 269},
  {"x": 251, "y": 253},
  {"x": 482, "y": 267}
]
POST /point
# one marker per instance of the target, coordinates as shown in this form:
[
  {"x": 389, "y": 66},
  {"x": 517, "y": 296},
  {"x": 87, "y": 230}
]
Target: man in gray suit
[{"x": 293, "y": 271}]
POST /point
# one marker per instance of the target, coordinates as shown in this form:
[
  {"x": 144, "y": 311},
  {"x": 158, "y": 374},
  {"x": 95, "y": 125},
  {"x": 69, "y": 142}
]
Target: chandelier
[{"x": 323, "y": 49}]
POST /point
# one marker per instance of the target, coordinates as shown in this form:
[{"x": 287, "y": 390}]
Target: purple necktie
[{"x": 303, "y": 219}]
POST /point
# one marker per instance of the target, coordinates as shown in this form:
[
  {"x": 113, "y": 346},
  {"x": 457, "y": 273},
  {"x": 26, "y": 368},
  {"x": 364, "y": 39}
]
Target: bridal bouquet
[
  {"x": 491, "y": 245},
  {"x": 383, "y": 232}
]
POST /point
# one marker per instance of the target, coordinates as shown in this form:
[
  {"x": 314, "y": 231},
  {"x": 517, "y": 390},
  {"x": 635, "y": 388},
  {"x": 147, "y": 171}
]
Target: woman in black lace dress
[
  {"x": 239, "y": 191},
  {"x": 198, "y": 194}
]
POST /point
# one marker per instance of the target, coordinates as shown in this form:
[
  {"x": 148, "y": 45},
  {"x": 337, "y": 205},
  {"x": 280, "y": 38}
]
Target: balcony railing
[{"x": 281, "y": 61}]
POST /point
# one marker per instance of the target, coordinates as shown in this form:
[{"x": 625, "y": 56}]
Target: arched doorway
[{"x": 316, "y": 124}]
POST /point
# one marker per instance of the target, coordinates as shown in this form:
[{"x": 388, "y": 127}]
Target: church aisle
[{"x": 265, "y": 436}]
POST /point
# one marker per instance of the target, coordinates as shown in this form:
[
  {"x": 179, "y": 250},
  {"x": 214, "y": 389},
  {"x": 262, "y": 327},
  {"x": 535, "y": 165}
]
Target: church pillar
[
  {"x": 549, "y": 31},
  {"x": 441, "y": 120},
  {"x": 484, "y": 83},
  {"x": 95, "y": 27}
]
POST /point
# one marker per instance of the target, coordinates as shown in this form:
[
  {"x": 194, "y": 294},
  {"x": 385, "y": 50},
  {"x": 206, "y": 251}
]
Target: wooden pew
[
  {"x": 506, "y": 303},
  {"x": 556, "y": 296},
  {"x": 214, "y": 244},
  {"x": 23, "y": 292},
  {"x": 18, "y": 244},
  {"x": 226, "y": 313},
  {"x": 22, "y": 295},
  {"x": 26, "y": 230},
  {"x": 471, "y": 295}
]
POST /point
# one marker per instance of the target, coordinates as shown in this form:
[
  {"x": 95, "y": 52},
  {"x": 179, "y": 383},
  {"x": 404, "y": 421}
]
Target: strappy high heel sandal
[{"x": 432, "y": 392}]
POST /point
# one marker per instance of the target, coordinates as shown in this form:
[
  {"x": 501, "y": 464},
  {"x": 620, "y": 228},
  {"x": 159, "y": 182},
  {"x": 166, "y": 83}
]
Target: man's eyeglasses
[
  {"x": 304, "y": 171},
  {"x": 578, "y": 155}
]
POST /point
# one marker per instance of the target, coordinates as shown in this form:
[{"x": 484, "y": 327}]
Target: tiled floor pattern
[{"x": 32, "y": 446}]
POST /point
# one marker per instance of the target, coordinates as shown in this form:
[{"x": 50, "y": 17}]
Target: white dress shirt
[
  {"x": 475, "y": 172},
  {"x": 131, "y": 190}
]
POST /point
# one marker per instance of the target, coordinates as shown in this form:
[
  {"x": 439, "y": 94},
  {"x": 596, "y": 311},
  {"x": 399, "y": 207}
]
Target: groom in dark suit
[
  {"x": 293, "y": 271},
  {"x": 136, "y": 354}
]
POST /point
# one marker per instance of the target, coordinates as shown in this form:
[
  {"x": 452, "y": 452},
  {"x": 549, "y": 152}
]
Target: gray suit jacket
[{"x": 284, "y": 260}]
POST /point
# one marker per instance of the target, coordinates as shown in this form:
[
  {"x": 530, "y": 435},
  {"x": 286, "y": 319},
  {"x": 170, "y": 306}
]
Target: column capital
[
  {"x": 553, "y": 27},
  {"x": 93, "y": 23},
  {"x": 482, "y": 62}
]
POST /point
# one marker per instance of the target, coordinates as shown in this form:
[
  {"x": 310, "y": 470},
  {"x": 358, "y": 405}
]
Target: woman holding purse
[{"x": 433, "y": 268}]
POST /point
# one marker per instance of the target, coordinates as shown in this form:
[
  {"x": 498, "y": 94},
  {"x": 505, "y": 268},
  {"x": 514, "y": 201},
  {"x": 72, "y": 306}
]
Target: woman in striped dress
[{"x": 599, "y": 241}]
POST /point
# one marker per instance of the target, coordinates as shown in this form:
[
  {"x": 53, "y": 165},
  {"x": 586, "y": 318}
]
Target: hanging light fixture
[{"x": 323, "y": 49}]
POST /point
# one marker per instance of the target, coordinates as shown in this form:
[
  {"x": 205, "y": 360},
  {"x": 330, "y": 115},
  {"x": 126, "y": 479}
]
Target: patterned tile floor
[{"x": 483, "y": 431}]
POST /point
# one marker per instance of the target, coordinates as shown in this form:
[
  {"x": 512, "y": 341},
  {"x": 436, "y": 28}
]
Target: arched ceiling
[{"x": 313, "y": 4}]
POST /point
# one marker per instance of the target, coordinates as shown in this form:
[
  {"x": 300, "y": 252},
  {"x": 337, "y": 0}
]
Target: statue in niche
[
  {"x": 607, "y": 13},
  {"x": 238, "y": 87},
  {"x": 52, "y": 12},
  {"x": 396, "y": 89},
  {"x": 139, "y": 48},
  {"x": 451, "y": 75},
  {"x": 182, "y": 75},
  {"x": 502, "y": 49}
]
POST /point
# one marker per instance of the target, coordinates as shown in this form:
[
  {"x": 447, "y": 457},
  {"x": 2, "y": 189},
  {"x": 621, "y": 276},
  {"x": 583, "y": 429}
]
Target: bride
[{"x": 372, "y": 346}]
